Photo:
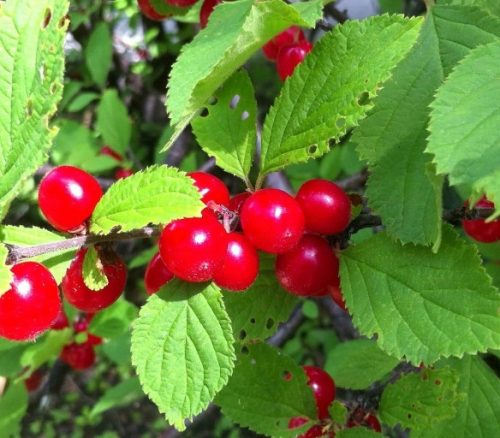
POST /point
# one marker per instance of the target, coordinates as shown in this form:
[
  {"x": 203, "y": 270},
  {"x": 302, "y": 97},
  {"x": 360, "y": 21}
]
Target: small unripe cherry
[
  {"x": 289, "y": 36},
  {"x": 211, "y": 188},
  {"x": 272, "y": 220},
  {"x": 181, "y": 3},
  {"x": 326, "y": 207},
  {"x": 148, "y": 11},
  {"x": 479, "y": 229},
  {"x": 309, "y": 268},
  {"x": 67, "y": 197},
  {"x": 290, "y": 57},
  {"x": 240, "y": 266},
  {"x": 206, "y": 10},
  {"x": 156, "y": 275},
  {"x": 78, "y": 356},
  {"x": 193, "y": 248},
  {"x": 32, "y": 303},
  {"x": 323, "y": 388},
  {"x": 85, "y": 299}
]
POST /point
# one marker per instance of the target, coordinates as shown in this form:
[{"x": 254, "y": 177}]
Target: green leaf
[
  {"x": 31, "y": 73},
  {"x": 5, "y": 272},
  {"x": 113, "y": 122},
  {"x": 235, "y": 31},
  {"x": 118, "y": 349},
  {"x": 261, "y": 396},
  {"x": 156, "y": 195},
  {"x": 256, "y": 313},
  {"x": 13, "y": 406},
  {"x": 357, "y": 432},
  {"x": 492, "y": 6},
  {"x": 164, "y": 8},
  {"x": 182, "y": 347},
  {"x": 418, "y": 400},
  {"x": 338, "y": 412},
  {"x": 464, "y": 124},
  {"x": 330, "y": 92},
  {"x": 233, "y": 116},
  {"x": 92, "y": 270},
  {"x": 115, "y": 320},
  {"x": 359, "y": 363},
  {"x": 99, "y": 53},
  {"x": 123, "y": 394},
  {"x": 421, "y": 305},
  {"x": 82, "y": 101},
  {"x": 45, "y": 349},
  {"x": 57, "y": 262},
  {"x": 478, "y": 415},
  {"x": 10, "y": 357}
]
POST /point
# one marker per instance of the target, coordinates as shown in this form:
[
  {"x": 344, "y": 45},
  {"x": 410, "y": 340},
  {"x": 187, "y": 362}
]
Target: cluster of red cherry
[
  {"x": 479, "y": 229},
  {"x": 323, "y": 388}
]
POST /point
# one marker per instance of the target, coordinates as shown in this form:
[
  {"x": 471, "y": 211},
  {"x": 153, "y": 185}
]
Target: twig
[
  {"x": 337, "y": 14},
  {"x": 287, "y": 329}
]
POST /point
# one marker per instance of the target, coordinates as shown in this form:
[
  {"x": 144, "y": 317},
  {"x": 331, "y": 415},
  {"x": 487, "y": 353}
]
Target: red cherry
[
  {"x": 85, "y": 299},
  {"x": 206, "y": 10},
  {"x": 297, "y": 422},
  {"x": 110, "y": 152},
  {"x": 31, "y": 305},
  {"x": 240, "y": 266},
  {"x": 309, "y": 268},
  {"x": 61, "y": 321},
  {"x": 315, "y": 432},
  {"x": 361, "y": 418},
  {"x": 67, "y": 197},
  {"x": 78, "y": 356},
  {"x": 290, "y": 57},
  {"x": 181, "y": 3},
  {"x": 82, "y": 326},
  {"x": 32, "y": 383},
  {"x": 326, "y": 206},
  {"x": 156, "y": 275},
  {"x": 336, "y": 295},
  {"x": 323, "y": 389},
  {"x": 211, "y": 188},
  {"x": 149, "y": 12},
  {"x": 479, "y": 229},
  {"x": 123, "y": 173},
  {"x": 272, "y": 220},
  {"x": 193, "y": 248},
  {"x": 289, "y": 36},
  {"x": 237, "y": 201}
]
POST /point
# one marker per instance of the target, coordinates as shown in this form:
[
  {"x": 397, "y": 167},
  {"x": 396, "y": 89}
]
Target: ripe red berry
[
  {"x": 323, "y": 389},
  {"x": 31, "y": 305},
  {"x": 181, "y": 3},
  {"x": 149, "y": 12},
  {"x": 85, "y": 299},
  {"x": 67, "y": 197},
  {"x": 78, "y": 356},
  {"x": 326, "y": 207},
  {"x": 110, "y": 152},
  {"x": 240, "y": 266},
  {"x": 362, "y": 418},
  {"x": 61, "y": 322},
  {"x": 272, "y": 220},
  {"x": 313, "y": 432},
  {"x": 237, "y": 201},
  {"x": 32, "y": 383},
  {"x": 289, "y": 36},
  {"x": 309, "y": 268},
  {"x": 123, "y": 173},
  {"x": 193, "y": 248},
  {"x": 206, "y": 10},
  {"x": 479, "y": 229},
  {"x": 211, "y": 188},
  {"x": 297, "y": 422},
  {"x": 82, "y": 326},
  {"x": 290, "y": 57},
  {"x": 156, "y": 275},
  {"x": 337, "y": 296}
]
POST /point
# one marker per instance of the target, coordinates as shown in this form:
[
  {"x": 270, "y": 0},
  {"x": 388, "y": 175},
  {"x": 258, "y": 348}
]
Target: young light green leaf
[
  {"x": 156, "y": 195},
  {"x": 338, "y": 412},
  {"x": 235, "y": 31},
  {"x": 92, "y": 270},
  {"x": 267, "y": 404},
  {"x": 5, "y": 272},
  {"x": 421, "y": 305},
  {"x": 113, "y": 321},
  {"x": 418, "y": 400},
  {"x": 464, "y": 124},
  {"x": 31, "y": 72},
  {"x": 359, "y": 363},
  {"x": 99, "y": 53},
  {"x": 182, "y": 347},
  {"x": 123, "y": 394},
  {"x": 232, "y": 115},
  {"x": 256, "y": 314},
  {"x": 330, "y": 92},
  {"x": 57, "y": 262},
  {"x": 113, "y": 122},
  {"x": 45, "y": 349},
  {"x": 478, "y": 413},
  {"x": 13, "y": 406}
]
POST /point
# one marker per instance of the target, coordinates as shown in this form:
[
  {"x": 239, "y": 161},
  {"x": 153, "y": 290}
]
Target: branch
[{"x": 337, "y": 14}]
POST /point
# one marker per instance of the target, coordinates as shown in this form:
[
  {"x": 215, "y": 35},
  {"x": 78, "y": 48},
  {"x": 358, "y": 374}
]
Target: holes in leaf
[
  {"x": 409, "y": 416},
  {"x": 213, "y": 100},
  {"x": 243, "y": 334},
  {"x": 244, "y": 350},
  {"x": 340, "y": 123},
  {"x": 245, "y": 115},
  {"x": 234, "y": 101},
  {"x": 204, "y": 112},
  {"x": 252, "y": 320},
  {"x": 62, "y": 21},
  {"x": 437, "y": 382},
  {"x": 53, "y": 88},
  {"x": 287, "y": 375},
  {"x": 269, "y": 323},
  {"x": 364, "y": 98},
  {"x": 311, "y": 150},
  {"x": 47, "y": 18},
  {"x": 29, "y": 108}
]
